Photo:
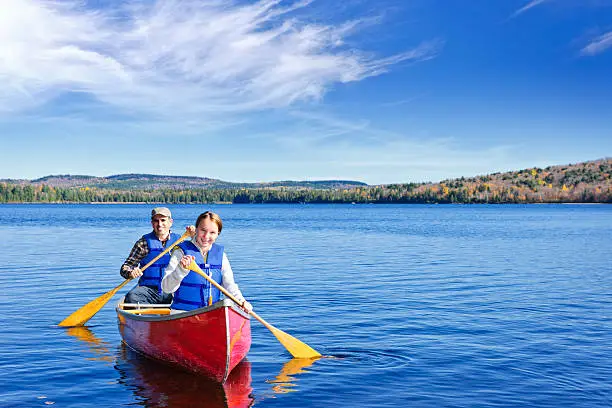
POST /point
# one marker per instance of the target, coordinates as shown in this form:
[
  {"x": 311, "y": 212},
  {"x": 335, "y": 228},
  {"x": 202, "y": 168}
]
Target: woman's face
[{"x": 206, "y": 233}]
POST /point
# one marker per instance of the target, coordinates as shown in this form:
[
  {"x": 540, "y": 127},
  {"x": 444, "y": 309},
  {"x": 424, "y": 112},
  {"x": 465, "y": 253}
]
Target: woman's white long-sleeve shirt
[{"x": 174, "y": 274}]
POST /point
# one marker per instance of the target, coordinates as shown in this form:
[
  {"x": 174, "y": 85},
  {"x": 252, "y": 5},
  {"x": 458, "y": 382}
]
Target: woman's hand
[
  {"x": 247, "y": 306},
  {"x": 191, "y": 230},
  {"x": 186, "y": 261}
]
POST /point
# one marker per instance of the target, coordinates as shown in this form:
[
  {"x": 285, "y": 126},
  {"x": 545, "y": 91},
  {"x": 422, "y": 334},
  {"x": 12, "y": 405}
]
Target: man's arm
[{"x": 130, "y": 268}]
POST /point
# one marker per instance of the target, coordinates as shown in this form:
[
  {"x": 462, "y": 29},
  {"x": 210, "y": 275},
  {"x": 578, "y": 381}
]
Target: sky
[{"x": 378, "y": 91}]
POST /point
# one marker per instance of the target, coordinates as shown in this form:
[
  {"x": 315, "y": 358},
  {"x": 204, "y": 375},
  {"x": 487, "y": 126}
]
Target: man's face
[{"x": 161, "y": 225}]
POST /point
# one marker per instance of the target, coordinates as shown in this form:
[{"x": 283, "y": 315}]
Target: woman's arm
[
  {"x": 228, "y": 281},
  {"x": 174, "y": 272},
  {"x": 230, "y": 284}
]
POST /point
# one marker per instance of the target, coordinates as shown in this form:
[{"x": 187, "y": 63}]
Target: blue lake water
[{"x": 421, "y": 306}]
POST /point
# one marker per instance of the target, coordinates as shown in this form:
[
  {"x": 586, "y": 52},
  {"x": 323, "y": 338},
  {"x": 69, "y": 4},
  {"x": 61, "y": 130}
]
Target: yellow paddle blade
[
  {"x": 294, "y": 346},
  {"x": 86, "y": 312}
]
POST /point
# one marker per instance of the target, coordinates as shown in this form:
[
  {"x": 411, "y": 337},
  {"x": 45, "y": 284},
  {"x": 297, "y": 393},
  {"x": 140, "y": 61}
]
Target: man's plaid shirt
[{"x": 138, "y": 252}]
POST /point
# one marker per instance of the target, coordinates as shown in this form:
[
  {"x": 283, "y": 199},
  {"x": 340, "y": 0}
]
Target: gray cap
[{"x": 161, "y": 211}]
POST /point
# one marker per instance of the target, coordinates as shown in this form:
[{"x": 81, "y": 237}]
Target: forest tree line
[{"x": 588, "y": 182}]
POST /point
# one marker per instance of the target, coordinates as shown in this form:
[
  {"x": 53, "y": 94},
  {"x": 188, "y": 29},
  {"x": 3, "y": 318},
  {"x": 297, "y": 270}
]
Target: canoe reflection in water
[
  {"x": 158, "y": 385},
  {"x": 162, "y": 386}
]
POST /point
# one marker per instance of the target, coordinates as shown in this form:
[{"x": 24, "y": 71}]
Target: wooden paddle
[
  {"x": 86, "y": 312},
  {"x": 293, "y": 345}
]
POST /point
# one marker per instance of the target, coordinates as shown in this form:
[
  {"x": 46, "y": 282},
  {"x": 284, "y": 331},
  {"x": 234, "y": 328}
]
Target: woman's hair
[{"x": 211, "y": 216}]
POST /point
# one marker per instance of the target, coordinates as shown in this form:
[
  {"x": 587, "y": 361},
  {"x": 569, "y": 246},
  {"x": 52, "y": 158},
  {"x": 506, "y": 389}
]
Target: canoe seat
[
  {"x": 145, "y": 308},
  {"x": 158, "y": 311}
]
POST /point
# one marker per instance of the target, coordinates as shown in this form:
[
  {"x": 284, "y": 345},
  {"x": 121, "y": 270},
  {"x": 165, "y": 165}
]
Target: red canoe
[{"x": 210, "y": 341}]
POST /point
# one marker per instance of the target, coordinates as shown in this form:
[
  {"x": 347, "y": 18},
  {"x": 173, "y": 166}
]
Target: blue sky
[{"x": 378, "y": 91}]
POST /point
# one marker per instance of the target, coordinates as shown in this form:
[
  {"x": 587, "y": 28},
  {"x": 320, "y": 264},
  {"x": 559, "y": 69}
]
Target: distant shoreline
[
  {"x": 260, "y": 203},
  {"x": 587, "y": 182}
]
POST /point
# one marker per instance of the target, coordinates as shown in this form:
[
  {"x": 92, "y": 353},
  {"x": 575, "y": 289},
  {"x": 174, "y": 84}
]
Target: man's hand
[{"x": 136, "y": 272}]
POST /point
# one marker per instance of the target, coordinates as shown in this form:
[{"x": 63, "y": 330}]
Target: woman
[{"x": 192, "y": 291}]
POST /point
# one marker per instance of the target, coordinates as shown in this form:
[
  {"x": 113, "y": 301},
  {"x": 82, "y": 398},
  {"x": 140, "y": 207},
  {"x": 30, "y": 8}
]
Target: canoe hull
[{"x": 210, "y": 341}]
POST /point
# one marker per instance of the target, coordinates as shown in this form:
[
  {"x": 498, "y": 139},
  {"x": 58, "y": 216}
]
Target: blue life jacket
[
  {"x": 153, "y": 275},
  {"x": 195, "y": 291}
]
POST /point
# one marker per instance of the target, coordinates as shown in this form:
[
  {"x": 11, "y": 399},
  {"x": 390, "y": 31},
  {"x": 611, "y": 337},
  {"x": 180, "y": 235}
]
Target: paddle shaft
[
  {"x": 293, "y": 345},
  {"x": 183, "y": 237},
  {"x": 194, "y": 267},
  {"x": 164, "y": 252},
  {"x": 82, "y": 315}
]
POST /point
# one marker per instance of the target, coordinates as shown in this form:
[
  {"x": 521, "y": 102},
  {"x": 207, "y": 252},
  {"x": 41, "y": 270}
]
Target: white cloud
[
  {"x": 47, "y": 48},
  {"x": 178, "y": 59},
  {"x": 526, "y": 7},
  {"x": 598, "y": 45},
  {"x": 321, "y": 145},
  {"x": 398, "y": 161}
]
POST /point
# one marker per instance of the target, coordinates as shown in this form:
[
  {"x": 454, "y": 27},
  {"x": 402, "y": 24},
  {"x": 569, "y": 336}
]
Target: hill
[
  {"x": 586, "y": 182},
  {"x": 154, "y": 182}
]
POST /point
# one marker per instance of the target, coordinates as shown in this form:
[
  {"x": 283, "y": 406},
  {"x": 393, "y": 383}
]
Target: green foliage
[{"x": 588, "y": 182}]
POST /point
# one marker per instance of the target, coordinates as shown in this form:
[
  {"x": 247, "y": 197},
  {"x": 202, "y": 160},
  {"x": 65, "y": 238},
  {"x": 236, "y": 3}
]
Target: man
[{"x": 146, "y": 249}]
